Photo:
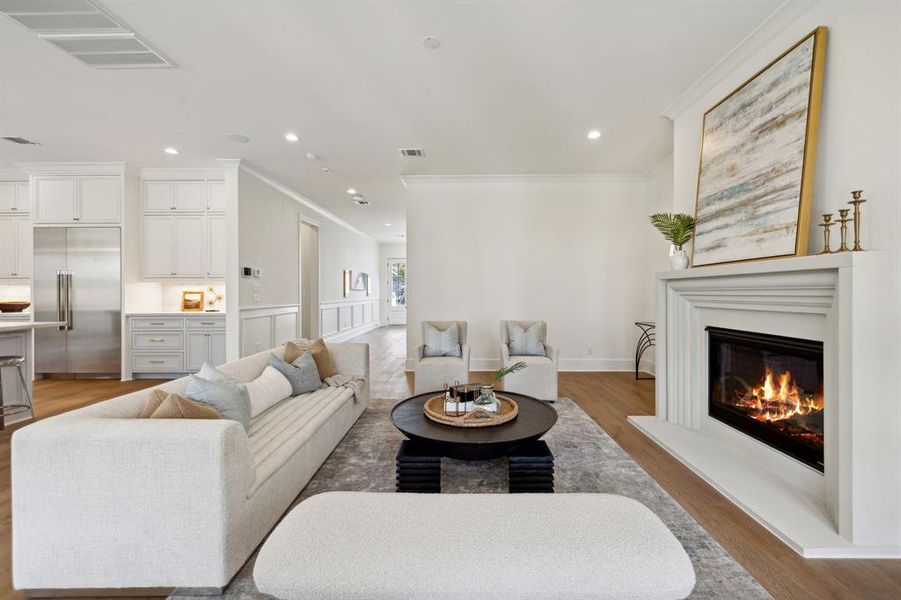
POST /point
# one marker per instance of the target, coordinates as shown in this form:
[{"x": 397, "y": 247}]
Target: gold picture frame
[
  {"x": 192, "y": 301},
  {"x": 746, "y": 209}
]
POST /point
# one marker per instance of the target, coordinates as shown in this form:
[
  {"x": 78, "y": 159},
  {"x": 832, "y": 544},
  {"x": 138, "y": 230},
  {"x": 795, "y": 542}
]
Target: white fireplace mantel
[{"x": 852, "y": 303}]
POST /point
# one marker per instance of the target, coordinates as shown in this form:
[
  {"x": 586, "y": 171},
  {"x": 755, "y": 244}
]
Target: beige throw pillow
[
  {"x": 153, "y": 402},
  {"x": 179, "y": 407},
  {"x": 320, "y": 353}
]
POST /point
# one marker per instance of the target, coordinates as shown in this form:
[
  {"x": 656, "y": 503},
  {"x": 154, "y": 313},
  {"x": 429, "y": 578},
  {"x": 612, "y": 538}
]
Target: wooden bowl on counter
[{"x": 14, "y": 306}]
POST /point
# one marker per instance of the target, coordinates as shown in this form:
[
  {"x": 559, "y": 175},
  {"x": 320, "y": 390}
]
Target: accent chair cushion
[
  {"x": 176, "y": 406},
  {"x": 441, "y": 343},
  {"x": 228, "y": 396},
  {"x": 302, "y": 373},
  {"x": 267, "y": 390},
  {"x": 294, "y": 350},
  {"x": 156, "y": 398},
  {"x": 525, "y": 342}
]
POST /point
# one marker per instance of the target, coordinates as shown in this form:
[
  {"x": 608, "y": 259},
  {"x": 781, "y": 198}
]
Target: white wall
[
  {"x": 860, "y": 123},
  {"x": 577, "y": 252},
  {"x": 386, "y": 251}
]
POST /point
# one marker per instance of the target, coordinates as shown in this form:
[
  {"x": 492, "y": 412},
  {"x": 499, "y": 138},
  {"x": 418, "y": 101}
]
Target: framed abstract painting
[{"x": 755, "y": 179}]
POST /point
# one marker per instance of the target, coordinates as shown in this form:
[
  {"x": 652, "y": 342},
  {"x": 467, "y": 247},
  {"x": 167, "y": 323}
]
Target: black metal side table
[{"x": 645, "y": 341}]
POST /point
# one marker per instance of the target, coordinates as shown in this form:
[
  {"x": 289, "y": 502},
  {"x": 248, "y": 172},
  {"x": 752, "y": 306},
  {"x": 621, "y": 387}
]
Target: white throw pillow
[
  {"x": 267, "y": 390},
  {"x": 525, "y": 342},
  {"x": 441, "y": 343}
]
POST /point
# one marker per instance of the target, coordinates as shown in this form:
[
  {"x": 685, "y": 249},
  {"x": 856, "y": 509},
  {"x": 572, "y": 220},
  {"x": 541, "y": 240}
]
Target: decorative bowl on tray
[
  {"x": 14, "y": 306},
  {"x": 477, "y": 417}
]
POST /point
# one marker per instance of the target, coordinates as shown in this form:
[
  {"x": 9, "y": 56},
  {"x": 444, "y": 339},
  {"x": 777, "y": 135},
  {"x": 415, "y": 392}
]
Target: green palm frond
[
  {"x": 501, "y": 373},
  {"x": 676, "y": 228}
]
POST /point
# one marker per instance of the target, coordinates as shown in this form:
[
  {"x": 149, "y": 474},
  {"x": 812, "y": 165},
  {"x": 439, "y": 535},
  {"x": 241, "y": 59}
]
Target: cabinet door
[
  {"x": 9, "y": 246},
  {"x": 215, "y": 246},
  {"x": 215, "y": 201},
  {"x": 23, "y": 198},
  {"x": 216, "y": 354},
  {"x": 159, "y": 246},
  {"x": 54, "y": 200},
  {"x": 190, "y": 196},
  {"x": 159, "y": 196},
  {"x": 189, "y": 246},
  {"x": 197, "y": 351},
  {"x": 25, "y": 247},
  {"x": 8, "y": 196},
  {"x": 100, "y": 199}
]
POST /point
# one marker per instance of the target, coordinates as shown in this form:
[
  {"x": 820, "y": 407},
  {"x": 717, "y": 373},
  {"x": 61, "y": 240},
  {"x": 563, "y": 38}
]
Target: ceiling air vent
[
  {"x": 20, "y": 140},
  {"x": 411, "y": 152},
  {"x": 84, "y": 30}
]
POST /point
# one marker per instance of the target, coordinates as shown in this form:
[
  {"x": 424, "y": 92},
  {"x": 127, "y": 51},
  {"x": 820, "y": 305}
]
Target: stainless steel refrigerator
[{"x": 77, "y": 280}]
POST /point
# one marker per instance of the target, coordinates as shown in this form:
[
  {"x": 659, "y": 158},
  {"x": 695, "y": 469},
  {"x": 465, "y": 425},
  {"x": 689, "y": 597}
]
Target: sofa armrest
[
  {"x": 505, "y": 354},
  {"x": 420, "y": 350},
  {"x": 140, "y": 497},
  {"x": 351, "y": 359},
  {"x": 464, "y": 352},
  {"x": 553, "y": 353}
]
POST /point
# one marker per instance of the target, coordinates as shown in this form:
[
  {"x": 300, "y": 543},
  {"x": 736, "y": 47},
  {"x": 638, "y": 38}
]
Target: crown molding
[
  {"x": 409, "y": 180},
  {"x": 229, "y": 163},
  {"x": 664, "y": 164},
  {"x": 74, "y": 168},
  {"x": 182, "y": 173},
  {"x": 299, "y": 198},
  {"x": 778, "y": 21}
]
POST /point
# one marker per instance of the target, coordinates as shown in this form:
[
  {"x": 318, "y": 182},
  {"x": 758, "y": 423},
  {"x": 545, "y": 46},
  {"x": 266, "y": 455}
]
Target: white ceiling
[{"x": 513, "y": 89}]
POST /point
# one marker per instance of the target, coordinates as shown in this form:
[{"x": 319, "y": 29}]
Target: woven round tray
[{"x": 434, "y": 410}]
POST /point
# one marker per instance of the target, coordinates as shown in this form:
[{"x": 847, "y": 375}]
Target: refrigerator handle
[
  {"x": 69, "y": 319},
  {"x": 60, "y": 298}
]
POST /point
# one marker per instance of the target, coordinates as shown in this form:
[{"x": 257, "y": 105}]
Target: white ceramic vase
[{"x": 678, "y": 259}]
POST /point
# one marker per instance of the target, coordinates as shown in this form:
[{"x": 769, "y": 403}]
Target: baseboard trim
[
  {"x": 567, "y": 365},
  {"x": 347, "y": 334},
  {"x": 122, "y": 592}
]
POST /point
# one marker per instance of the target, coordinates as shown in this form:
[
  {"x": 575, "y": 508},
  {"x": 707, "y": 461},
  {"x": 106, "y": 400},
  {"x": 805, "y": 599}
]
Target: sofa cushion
[
  {"x": 176, "y": 406},
  {"x": 227, "y": 395},
  {"x": 441, "y": 343},
  {"x": 302, "y": 373},
  {"x": 267, "y": 390},
  {"x": 525, "y": 341}
]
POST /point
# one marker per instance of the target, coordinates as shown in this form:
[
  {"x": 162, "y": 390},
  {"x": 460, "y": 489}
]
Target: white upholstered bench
[{"x": 358, "y": 545}]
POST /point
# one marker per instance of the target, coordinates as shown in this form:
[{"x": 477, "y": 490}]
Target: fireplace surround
[{"x": 769, "y": 387}]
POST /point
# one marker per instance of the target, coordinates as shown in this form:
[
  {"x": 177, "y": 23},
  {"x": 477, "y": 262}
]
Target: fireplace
[{"x": 769, "y": 387}]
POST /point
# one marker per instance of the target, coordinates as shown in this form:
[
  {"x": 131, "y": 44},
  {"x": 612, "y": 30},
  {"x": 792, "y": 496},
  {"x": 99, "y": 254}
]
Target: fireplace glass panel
[{"x": 771, "y": 388}]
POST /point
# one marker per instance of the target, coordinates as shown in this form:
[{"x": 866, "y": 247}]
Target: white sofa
[
  {"x": 432, "y": 372},
  {"x": 101, "y": 499},
  {"x": 539, "y": 378}
]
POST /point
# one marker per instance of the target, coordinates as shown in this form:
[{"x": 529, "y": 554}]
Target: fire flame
[{"x": 772, "y": 402}]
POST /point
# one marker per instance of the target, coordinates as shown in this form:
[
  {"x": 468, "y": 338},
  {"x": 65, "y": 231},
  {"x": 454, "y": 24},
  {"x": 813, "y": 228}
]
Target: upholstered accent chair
[
  {"x": 432, "y": 372},
  {"x": 539, "y": 378}
]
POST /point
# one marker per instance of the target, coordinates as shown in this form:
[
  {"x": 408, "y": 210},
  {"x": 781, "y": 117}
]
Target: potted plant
[{"x": 678, "y": 229}]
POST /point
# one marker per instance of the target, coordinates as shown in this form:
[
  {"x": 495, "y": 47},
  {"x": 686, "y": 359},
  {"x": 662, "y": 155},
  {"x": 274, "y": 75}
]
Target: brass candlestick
[
  {"x": 826, "y": 224},
  {"x": 856, "y": 202},
  {"x": 843, "y": 214}
]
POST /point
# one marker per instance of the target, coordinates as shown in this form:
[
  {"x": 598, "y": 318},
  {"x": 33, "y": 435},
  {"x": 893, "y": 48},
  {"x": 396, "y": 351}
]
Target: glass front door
[{"x": 397, "y": 291}]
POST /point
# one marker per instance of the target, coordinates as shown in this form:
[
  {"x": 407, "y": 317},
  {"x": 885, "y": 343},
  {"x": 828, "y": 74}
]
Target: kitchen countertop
[
  {"x": 176, "y": 313},
  {"x": 12, "y": 326}
]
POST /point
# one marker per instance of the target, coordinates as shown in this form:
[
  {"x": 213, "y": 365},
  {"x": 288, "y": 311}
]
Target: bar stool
[{"x": 17, "y": 406}]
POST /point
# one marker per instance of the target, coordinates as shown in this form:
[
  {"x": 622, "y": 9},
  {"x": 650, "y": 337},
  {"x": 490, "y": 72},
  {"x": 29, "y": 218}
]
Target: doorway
[
  {"x": 309, "y": 280},
  {"x": 397, "y": 291}
]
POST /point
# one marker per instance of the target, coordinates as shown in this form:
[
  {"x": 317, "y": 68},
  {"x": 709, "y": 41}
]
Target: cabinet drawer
[
  {"x": 158, "y": 340},
  {"x": 206, "y": 323},
  {"x": 169, "y": 362},
  {"x": 157, "y": 323}
]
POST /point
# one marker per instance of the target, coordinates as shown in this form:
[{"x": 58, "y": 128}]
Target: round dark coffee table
[{"x": 531, "y": 463}]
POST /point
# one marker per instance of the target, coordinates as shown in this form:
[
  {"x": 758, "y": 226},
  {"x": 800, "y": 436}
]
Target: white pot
[{"x": 678, "y": 260}]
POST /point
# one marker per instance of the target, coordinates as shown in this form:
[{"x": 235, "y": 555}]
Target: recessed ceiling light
[
  {"x": 431, "y": 42},
  {"x": 326, "y": 169},
  {"x": 170, "y": 150},
  {"x": 357, "y": 197},
  {"x": 351, "y": 191},
  {"x": 594, "y": 134},
  {"x": 238, "y": 138},
  {"x": 311, "y": 156},
  {"x": 387, "y": 224},
  {"x": 291, "y": 136}
]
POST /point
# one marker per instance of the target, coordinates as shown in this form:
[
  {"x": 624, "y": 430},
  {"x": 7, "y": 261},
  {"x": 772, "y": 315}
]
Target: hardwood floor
[{"x": 609, "y": 398}]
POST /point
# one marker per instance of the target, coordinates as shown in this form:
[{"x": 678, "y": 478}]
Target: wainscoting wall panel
[
  {"x": 267, "y": 326},
  {"x": 344, "y": 319}
]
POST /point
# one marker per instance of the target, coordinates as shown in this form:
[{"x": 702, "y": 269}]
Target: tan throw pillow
[
  {"x": 323, "y": 359},
  {"x": 294, "y": 350},
  {"x": 153, "y": 402},
  {"x": 179, "y": 407}
]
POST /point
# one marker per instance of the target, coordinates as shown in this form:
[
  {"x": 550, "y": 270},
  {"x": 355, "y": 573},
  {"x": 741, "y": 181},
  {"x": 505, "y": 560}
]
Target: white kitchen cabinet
[
  {"x": 159, "y": 246},
  {"x": 159, "y": 196},
  {"x": 204, "y": 347},
  {"x": 189, "y": 246},
  {"x": 14, "y": 197},
  {"x": 100, "y": 199},
  {"x": 77, "y": 199},
  {"x": 15, "y": 247},
  {"x": 190, "y": 196},
  {"x": 55, "y": 200},
  {"x": 175, "y": 344},
  {"x": 215, "y": 196},
  {"x": 175, "y": 196},
  {"x": 215, "y": 245}
]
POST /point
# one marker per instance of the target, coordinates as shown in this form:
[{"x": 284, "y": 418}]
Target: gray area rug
[{"x": 587, "y": 460}]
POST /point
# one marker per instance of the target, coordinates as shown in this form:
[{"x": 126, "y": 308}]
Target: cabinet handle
[
  {"x": 202, "y": 322},
  {"x": 157, "y": 362},
  {"x": 171, "y": 273},
  {"x": 13, "y": 274},
  {"x": 157, "y": 323},
  {"x": 75, "y": 219},
  {"x": 13, "y": 208},
  {"x": 171, "y": 208},
  {"x": 157, "y": 340}
]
